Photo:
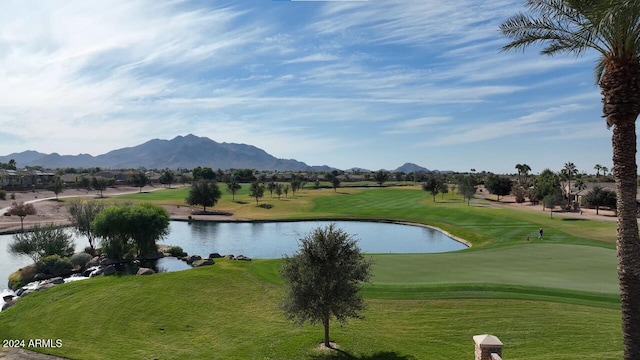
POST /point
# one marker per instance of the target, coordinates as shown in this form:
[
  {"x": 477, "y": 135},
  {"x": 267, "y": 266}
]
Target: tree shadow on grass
[
  {"x": 240, "y": 202},
  {"x": 265, "y": 206},
  {"x": 569, "y": 219},
  {"x": 381, "y": 355}
]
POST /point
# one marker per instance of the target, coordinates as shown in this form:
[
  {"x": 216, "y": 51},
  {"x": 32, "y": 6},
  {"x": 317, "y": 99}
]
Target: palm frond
[
  {"x": 598, "y": 71},
  {"x": 611, "y": 27}
]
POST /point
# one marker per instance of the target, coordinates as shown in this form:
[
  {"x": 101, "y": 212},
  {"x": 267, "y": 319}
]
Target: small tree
[
  {"x": 295, "y": 185},
  {"x": 433, "y": 184},
  {"x": 444, "y": 189},
  {"x": 498, "y": 185},
  {"x": 278, "y": 190},
  {"x": 99, "y": 184},
  {"x": 22, "y": 210},
  {"x": 335, "y": 182},
  {"x": 551, "y": 201},
  {"x": 233, "y": 186},
  {"x": 598, "y": 196},
  {"x": 42, "y": 241},
  {"x": 256, "y": 191},
  {"x": 381, "y": 177},
  {"x": 56, "y": 186},
  {"x": 140, "y": 180},
  {"x": 205, "y": 193},
  {"x": 271, "y": 186},
  {"x": 520, "y": 193},
  {"x": 131, "y": 229},
  {"x": 467, "y": 188},
  {"x": 323, "y": 279},
  {"x": 85, "y": 183},
  {"x": 82, "y": 214},
  {"x": 167, "y": 178}
]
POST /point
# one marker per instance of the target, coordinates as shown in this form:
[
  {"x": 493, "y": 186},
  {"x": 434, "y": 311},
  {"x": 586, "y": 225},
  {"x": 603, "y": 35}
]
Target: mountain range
[{"x": 180, "y": 152}]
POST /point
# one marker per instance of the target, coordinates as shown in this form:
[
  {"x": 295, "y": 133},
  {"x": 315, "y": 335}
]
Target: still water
[{"x": 270, "y": 240}]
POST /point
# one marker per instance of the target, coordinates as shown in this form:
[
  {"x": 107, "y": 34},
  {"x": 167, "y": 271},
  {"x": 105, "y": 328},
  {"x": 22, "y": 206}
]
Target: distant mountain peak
[
  {"x": 187, "y": 151},
  {"x": 411, "y": 167}
]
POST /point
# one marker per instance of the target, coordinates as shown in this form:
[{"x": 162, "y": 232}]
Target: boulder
[
  {"x": 45, "y": 286},
  {"x": 145, "y": 271},
  {"x": 214, "y": 256},
  {"x": 109, "y": 270},
  {"x": 96, "y": 272},
  {"x": 56, "y": 280},
  {"x": 203, "y": 262},
  {"x": 230, "y": 257},
  {"x": 193, "y": 258},
  {"x": 94, "y": 262},
  {"x": 90, "y": 270},
  {"x": 109, "y": 262},
  {"x": 42, "y": 276},
  {"x": 8, "y": 304},
  {"x": 26, "y": 292},
  {"x": 243, "y": 258}
]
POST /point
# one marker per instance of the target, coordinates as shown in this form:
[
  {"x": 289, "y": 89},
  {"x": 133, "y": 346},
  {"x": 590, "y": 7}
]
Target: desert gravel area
[{"x": 51, "y": 211}]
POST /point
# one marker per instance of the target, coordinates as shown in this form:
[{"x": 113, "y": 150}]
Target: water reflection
[
  {"x": 275, "y": 239},
  {"x": 267, "y": 240}
]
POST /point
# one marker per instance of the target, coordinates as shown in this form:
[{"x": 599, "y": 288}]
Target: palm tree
[
  {"x": 568, "y": 171},
  {"x": 523, "y": 173},
  {"x": 605, "y": 170},
  {"x": 612, "y": 28},
  {"x": 598, "y": 167}
]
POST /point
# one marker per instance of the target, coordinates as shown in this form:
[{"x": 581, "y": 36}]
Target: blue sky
[{"x": 370, "y": 84}]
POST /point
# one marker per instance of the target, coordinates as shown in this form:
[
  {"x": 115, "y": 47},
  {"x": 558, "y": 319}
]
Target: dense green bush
[
  {"x": 175, "y": 251},
  {"x": 3, "y": 194},
  {"x": 54, "y": 265},
  {"x": 80, "y": 259},
  {"x": 129, "y": 230}
]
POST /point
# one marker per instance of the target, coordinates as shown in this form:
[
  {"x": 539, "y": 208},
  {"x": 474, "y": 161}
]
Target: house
[{"x": 9, "y": 178}]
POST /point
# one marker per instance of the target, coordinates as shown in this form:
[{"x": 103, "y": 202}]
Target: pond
[{"x": 270, "y": 240}]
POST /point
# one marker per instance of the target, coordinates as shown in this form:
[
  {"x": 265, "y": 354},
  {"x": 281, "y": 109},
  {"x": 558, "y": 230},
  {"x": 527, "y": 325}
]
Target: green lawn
[
  {"x": 555, "y": 299},
  {"x": 225, "y": 311}
]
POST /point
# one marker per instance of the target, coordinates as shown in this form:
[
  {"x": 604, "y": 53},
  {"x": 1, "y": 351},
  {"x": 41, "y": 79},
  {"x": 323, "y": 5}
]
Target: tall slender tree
[
  {"x": 598, "y": 167},
  {"x": 611, "y": 28},
  {"x": 523, "y": 172},
  {"x": 569, "y": 171}
]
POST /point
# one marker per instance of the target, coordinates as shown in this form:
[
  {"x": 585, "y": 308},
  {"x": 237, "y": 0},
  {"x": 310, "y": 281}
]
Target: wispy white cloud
[
  {"x": 313, "y": 58},
  {"x": 415, "y": 125},
  {"x": 479, "y": 132},
  {"x": 343, "y": 77}
]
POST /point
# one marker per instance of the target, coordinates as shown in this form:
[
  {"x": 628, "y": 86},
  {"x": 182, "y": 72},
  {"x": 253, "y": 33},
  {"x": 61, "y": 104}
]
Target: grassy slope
[
  {"x": 237, "y": 315},
  {"x": 225, "y": 312}
]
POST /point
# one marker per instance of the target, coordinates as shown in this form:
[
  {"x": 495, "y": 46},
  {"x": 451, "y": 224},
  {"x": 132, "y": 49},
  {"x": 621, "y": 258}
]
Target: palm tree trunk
[
  {"x": 628, "y": 241},
  {"x": 621, "y": 104}
]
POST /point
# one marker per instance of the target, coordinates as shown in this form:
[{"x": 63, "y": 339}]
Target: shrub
[
  {"x": 3, "y": 194},
  {"x": 54, "y": 265},
  {"x": 42, "y": 241},
  {"x": 13, "y": 196},
  {"x": 175, "y": 251},
  {"x": 80, "y": 259}
]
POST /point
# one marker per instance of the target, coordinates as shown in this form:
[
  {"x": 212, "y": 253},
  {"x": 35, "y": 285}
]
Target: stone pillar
[{"x": 486, "y": 345}]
